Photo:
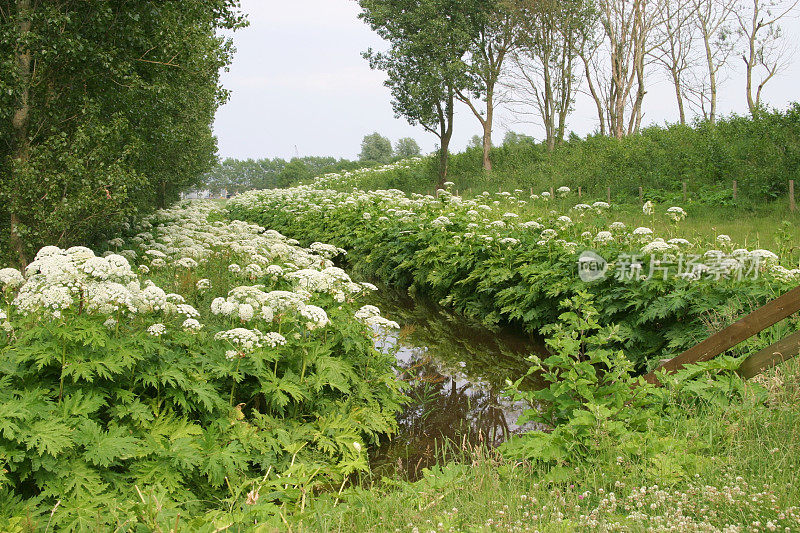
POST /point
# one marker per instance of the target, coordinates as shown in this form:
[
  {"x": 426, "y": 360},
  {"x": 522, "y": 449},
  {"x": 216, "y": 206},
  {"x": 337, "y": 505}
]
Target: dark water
[{"x": 456, "y": 370}]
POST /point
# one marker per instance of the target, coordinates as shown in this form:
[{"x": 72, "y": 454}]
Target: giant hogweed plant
[
  {"x": 122, "y": 403},
  {"x": 481, "y": 258}
]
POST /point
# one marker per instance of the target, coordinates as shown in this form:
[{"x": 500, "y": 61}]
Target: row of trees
[
  {"x": 236, "y": 175},
  {"x": 106, "y": 109},
  {"x": 542, "y": 53}
]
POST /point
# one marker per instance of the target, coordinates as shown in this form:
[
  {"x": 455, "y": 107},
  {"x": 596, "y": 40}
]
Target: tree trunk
[
  {"x": 20, "y": 122},
  {"x": 676, "y": 80},
  {"x": 749, "y": 62},
  {"x": 596, "y": 97},
  {"x": 446, "y": 135},
  {"x": 487, "y": 146},
  {"x": 487, "y": 130},
  {"x": 712, "y": 74}
]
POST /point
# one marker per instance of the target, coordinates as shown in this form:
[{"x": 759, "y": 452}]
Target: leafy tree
[
  {"x": 475, "y": 142},
  {"x": 105, "y": 110},
  {"x": 425, "y": 63},
  {"x": 513, "y": 137},
  {"x": 406, "y": 148},
  {"x": 376, "y": 147},
  {"x": 493, "y": 39}
]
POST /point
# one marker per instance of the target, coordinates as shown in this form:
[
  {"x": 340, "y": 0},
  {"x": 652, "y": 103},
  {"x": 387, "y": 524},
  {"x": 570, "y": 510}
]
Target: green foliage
[
  {"x": 406, "y": 148},
  {"x": 377, "y": 148},
  {"x": 105, "y": 112},
  {"x": 235, "y": 176},
  {"x": 761, "y": 153},
  {"x": 592, "y": 401},
  {"x": 508, "y": 285},
  {"x": 111, "y": 425}
]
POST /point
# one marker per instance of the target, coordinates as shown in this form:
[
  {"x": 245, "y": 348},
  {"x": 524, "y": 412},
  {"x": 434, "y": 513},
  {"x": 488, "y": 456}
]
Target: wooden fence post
[
  {"x": 641, "y": 195},
  {"x": 792, "y": 204},
  {"x": 608, "y": 195},
  {"x": 768, "y": 315},
  {"x": 580, "y": 193},
  {"x": 552, "y": 193},
  {"x": 735, "y": 189},
  {"x": 684, "y": 192}
]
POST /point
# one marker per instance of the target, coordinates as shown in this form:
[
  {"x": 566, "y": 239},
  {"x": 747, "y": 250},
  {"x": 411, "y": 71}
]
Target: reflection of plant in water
[{"x": 454, "y": 369}]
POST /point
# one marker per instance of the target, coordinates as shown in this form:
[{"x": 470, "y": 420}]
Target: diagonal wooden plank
[
  {"x": 770, "y": 356},
  {"x": 757, "y": 321}
]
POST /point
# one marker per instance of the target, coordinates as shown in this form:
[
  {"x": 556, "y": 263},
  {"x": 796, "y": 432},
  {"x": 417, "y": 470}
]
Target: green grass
[
  {"x": 770, "y": 225},
  {"x": 738, "y": 467}
]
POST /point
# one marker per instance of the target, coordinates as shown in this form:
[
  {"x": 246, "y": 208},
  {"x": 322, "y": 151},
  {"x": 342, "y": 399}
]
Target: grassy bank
[{"x": 726, "y": 468}]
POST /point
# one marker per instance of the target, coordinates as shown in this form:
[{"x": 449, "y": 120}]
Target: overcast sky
[{"x": 300, "y": 86}]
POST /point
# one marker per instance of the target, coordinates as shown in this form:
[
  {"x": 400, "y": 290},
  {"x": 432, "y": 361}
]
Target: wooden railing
[{"x": 754, "y": 323}]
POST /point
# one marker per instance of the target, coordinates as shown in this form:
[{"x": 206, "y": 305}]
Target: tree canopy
[
  {"x": 375, "y": 147},
  {"x": 106, "y": 109}
]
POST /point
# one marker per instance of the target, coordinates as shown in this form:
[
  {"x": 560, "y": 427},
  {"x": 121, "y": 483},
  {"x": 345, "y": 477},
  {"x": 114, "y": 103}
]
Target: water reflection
[{"x": 456, "y": 370}]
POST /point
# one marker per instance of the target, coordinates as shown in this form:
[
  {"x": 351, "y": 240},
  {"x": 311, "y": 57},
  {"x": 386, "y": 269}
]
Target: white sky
[{"x": 298, "y": 82}]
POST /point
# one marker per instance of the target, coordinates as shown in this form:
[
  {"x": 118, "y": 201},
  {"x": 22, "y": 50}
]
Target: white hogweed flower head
[
  {"x": 603, "y": 237},
  {"x": 157, "y": 330},
  {"x": 11, "y": 278},
  {"x": 192, "y": 325},
  {"x": 676, "y": 213}
]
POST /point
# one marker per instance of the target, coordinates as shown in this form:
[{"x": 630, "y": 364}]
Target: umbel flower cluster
[
  {"x": 503, "y": 219},
  {"x": 505, "y": 256},
  {"x": 223, "y": 349},
  {"x": 181, "y": 240}
]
